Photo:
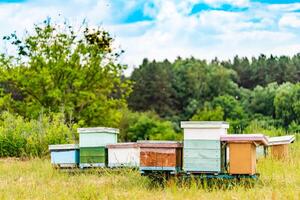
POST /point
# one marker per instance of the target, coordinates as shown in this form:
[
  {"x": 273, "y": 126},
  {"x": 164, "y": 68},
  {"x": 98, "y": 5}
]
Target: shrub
[{"x": 30, "y": 138}]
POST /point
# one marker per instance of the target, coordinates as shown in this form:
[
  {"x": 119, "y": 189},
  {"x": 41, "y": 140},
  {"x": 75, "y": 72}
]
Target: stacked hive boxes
[
  {"x": 92, "y": 144},
  {"x": 64, "y": 155},
  {"x": 202, "y": 146},
  {"x": 123, "y": 154}
]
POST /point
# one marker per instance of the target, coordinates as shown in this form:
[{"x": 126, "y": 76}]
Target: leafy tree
[
  {"x": 209, "y": 114},
  {"x": 144, "y": 126},
  {"x": 153, "y": 88},
  {"x": 262, "y": 100},
  {"x": 58, "y": 68},
  {"x": 287, "y": 103}
]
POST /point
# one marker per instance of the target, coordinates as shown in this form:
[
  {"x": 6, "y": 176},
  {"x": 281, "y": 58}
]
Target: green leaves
[{"x": 65, "y": 68}]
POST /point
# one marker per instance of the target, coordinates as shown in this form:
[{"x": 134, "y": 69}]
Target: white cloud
[
  {"x": 290, "y": 20},
  {"x": 261, "y": 28}
]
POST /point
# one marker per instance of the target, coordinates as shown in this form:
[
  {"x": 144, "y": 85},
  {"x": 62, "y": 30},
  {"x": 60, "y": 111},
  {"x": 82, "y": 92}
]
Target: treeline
[
  {"x": 59, "y": 78},
  {"x": 264, "y": 89}
]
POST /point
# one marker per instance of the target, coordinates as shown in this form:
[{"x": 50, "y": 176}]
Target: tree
[
  {"x": 287, "y": 103},
  {"x": 262, "y": 100},
  {"x": 152, "y": 88},
  {"x": 209, "y": 114},
  {"x": 58, "y": 68}
]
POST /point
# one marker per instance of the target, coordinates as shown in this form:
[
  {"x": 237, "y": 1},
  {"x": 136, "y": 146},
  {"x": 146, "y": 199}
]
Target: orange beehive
[
  {"x": 242, "y": 152},
  {"x": 280, "y": 146},
  {"x": 280, "y": 151},
  {"x": 242, "y": 158}
]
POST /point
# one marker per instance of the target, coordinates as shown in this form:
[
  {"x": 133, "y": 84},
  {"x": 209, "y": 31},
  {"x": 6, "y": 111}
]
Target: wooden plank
[
  {"x": 204, "y": 134},
  {"x": 202, "y": 144},
  {"x": 92, "y": 159},
  {"x": 204, "y": 166},
  {"x": 202, "y": 153},
  {"x": 92, "y": 151},
  {"x": 96, "y": 139},
  {"x": 201, "y": 161}
]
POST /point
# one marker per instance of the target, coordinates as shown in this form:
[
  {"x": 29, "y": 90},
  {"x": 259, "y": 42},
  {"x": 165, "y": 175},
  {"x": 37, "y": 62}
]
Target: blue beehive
[
  {"x": 64, "y": 155},
  {"x": 202, "y": 150}
]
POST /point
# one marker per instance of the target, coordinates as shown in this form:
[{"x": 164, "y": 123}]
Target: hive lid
[
  {"x": 287, "y": 139},
  {"x": 63, "y": 146},
  {"x": 98, "y": 129},
  {"x": 159, "y": 143},
  {"x": 258, "y": 138},
  {"x": 204, "y": 124},
  {"x": 123, "y": 145}
]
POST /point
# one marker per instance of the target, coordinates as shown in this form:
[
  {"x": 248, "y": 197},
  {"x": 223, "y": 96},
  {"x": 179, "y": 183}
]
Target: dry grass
[{"x": 36, "y": 179}]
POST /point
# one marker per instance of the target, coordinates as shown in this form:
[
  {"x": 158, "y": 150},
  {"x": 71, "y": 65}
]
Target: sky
[{"x": 159, "y": 29}]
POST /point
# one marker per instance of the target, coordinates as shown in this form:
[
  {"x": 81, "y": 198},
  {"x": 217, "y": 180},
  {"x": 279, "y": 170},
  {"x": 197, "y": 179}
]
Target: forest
[{"x": 58, "y": 78}]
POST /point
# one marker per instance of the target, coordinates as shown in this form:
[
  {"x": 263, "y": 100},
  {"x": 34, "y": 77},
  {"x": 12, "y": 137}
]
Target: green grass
[{"x": 36, "y": 179}]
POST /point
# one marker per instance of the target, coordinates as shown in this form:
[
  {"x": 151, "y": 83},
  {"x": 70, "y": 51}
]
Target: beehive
[
  {"x": 242, "y": 158},
  {"x": 64, "y": 155},
  {"x": 280, "y": 146},
  {"x": 123, "y": 154},
  {"x": 202, "y": 150},
  {"x": 160, "y": 155},
  {"x": 242, "y": 152},
  {"x": 92, "y": 144}
]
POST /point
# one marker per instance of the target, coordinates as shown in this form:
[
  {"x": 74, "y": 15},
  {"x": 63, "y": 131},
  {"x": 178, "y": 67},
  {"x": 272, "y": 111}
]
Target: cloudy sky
[{"x": 159, "y": 29}]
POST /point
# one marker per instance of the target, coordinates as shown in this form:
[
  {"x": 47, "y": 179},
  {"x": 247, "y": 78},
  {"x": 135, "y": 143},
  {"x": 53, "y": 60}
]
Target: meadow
[{"x": 37, "y": 179}]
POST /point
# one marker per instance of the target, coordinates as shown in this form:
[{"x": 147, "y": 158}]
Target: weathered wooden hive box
[
  {"x": 123, "y": 154},
  {"x": 242, "y": 152},
  {"x": 280, "y": 146},
  {"x": 202, "y": 151},
  {"x": 64, "y": 155},
  {"x": 160, "y": 155},
  {"x": 92, "y": 144}
]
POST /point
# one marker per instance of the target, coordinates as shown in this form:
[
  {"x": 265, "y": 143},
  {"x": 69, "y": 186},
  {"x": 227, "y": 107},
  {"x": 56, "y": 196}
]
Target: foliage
[
  {"x": 20, "y": 137},
  {"x": 143, "y": 126},
  {"x": 287, "y": 103},
  {"x": 209, "y": 114},
  {"x": 58, "y": 67}
]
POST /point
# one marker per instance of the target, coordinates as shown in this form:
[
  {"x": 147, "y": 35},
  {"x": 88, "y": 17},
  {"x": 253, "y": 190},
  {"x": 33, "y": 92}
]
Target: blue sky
[{"x": 160, "y": 29}]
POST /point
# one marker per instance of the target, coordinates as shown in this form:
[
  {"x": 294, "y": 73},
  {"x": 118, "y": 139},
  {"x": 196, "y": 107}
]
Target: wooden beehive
[
  {"x": 242, "y": 152},
  {"x": 242, "y": 158},
  {"x": 64, "y": 155},
  {"x": 280, "y": 146},
  {"x": 160, "y": 155},
  {"x": 92, "y": 143},
  {"x": 202, "y": 150},
  {"x": 123, "y": 154},
  {"x": 280, "y": 151}
]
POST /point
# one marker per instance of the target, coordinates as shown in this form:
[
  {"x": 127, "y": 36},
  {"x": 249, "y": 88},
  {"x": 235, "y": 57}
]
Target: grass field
[{"x": 36, "y": 179}]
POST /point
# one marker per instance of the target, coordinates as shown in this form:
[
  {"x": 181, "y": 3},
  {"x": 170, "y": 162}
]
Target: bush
[
  {"x": 30, "y": 138},
  {"x": 143, "y": 126}
]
